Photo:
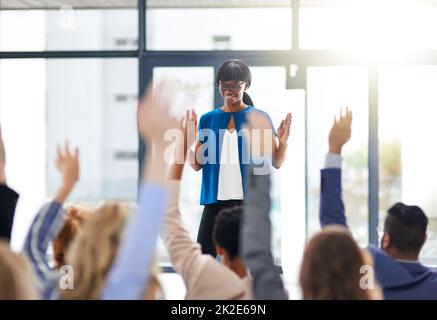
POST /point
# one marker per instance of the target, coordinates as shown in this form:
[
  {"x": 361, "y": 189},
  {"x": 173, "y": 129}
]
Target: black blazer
[{"x": 8, "y": 202}]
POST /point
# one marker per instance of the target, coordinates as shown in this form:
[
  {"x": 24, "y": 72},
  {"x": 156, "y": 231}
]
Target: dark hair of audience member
[
  {"x": 226, "y": 232},
  {"x": 406, "y": 226}
]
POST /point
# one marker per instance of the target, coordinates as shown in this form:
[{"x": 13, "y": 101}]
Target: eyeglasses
[{"x": 233, "y": 86}]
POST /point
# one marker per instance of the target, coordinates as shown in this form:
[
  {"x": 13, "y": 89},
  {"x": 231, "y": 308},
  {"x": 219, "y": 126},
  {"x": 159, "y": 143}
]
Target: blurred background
[{"x": 75, "y": 69}]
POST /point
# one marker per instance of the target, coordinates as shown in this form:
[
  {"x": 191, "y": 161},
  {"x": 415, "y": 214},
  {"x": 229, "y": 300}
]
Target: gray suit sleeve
[{"x": 256, "y": 239}]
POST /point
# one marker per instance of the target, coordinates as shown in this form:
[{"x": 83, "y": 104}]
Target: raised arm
[
  {"x": 129, "y": 275},
  {"x": 185, "y": 254},
  {"x": 8, "y": 198},
  {"x": 331, "y": 202},
  {"x": 193, "y": 158},
  {"x": 264, "y": 141},
  {"x": 191, "y": 137},
  {"x": 256, "y": 238},
  {"x": 256, "y": 226},
  {"x": 50, "y": 218}
]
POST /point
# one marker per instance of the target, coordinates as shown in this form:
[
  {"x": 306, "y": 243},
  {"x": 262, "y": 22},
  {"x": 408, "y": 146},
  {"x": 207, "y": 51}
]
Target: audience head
[
  {"x": 93, "y": 250},
  {"x": 17, "y": 281},
  {"x": 404, "y": 231},
  {"x": 226, "y": 232},
  {"x": 75, "y": 218},
  {"x": 331, "y": 267}
]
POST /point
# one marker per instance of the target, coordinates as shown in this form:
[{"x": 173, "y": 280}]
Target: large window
[
  {"x": 367, "y": 26},
  {"x": 219, "y": 29},
  {"x": 93, "y": 103},
  {"x": 90, "y": 102},
  {"x": 68, "y": 29},
  {"x": 408, "y": 109},
  {"x": 329, "y": 89}
]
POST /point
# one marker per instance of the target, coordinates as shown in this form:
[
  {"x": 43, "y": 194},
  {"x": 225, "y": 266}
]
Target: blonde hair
[
  {"x": 92, "y": 252},
  {"x": 17, "y": 281},
  {"x": 75, "y": 218}
]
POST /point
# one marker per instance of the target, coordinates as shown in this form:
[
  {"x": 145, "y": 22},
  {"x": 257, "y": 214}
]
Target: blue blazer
[
  {"x": 399, "y": 280},
  {"x": 217, "y": 121}
]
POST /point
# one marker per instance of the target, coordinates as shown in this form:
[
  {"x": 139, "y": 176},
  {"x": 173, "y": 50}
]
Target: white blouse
[{"x": 230, "y": 184}]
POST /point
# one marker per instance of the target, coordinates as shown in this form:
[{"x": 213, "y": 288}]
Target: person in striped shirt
[{"x": 49, "y": 221}]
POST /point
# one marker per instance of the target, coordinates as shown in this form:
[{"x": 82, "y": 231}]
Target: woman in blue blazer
[{"x": 220, "y": 150}]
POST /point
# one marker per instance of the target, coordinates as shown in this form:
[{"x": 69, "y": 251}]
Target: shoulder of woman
[
  {"x": 210, "y": 114},
  {"x": 259, "y": 110},
  {"x": 206, "y": 118}
]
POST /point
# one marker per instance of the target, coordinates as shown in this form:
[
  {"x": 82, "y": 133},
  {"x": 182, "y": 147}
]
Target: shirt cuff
[{"x": 333, "y": 160}]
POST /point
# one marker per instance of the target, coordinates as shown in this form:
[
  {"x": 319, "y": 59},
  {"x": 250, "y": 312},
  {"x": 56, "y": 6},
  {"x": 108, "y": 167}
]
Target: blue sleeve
[
  {"x": 331, "y": 202},
  {"x": 45, "y": 227},
  {"x": 129, "y": 274}
]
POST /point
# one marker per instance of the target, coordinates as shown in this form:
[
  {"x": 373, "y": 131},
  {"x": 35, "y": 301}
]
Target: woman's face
[{"x": 232, "y": 91}]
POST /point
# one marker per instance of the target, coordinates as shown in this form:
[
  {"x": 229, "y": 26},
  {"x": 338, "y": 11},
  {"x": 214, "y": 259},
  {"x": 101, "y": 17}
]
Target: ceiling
[
  {"x": 108, "y": 4},
  {"x": 102, "y": 4}
]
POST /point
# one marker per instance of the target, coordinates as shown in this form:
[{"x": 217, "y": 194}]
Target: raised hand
[
  {"x": 189, "y": 128},
  {"x": 189, "y": 125},
  {"x": 284, "y": 129},
  {"x": 154, "y": 121},
  {"x": 341, "y": 131},
  {"x": 154, "y": 117},
  {"x": 67, "y": 163}
]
